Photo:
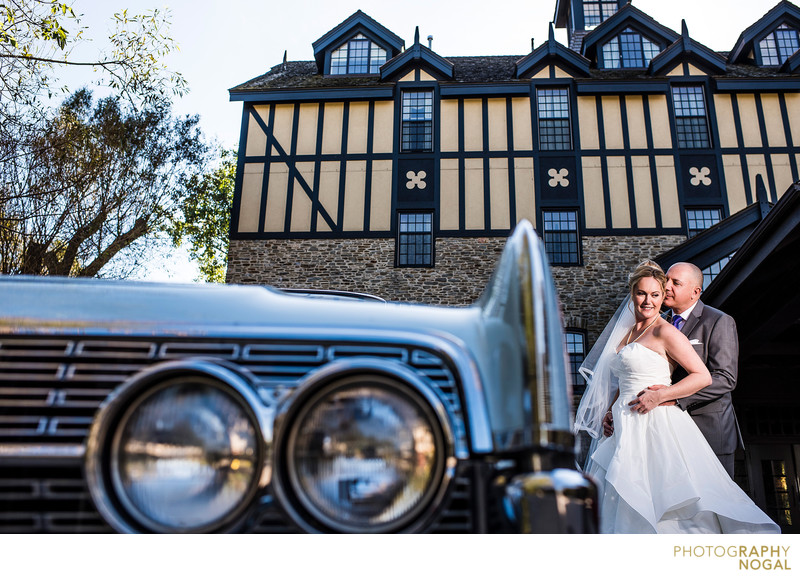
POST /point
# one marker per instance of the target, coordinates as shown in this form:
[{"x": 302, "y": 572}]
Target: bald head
[{"x": 684, "y": 286}]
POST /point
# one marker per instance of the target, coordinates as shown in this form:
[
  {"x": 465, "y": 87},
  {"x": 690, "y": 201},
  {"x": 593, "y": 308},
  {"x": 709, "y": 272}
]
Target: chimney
[{"x": 430, "y": 41}]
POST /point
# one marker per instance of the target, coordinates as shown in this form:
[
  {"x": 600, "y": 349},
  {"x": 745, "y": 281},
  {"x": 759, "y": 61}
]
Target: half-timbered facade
[
  {"x": 390, "y": 169},
  {"x": 393, "y": 170}
]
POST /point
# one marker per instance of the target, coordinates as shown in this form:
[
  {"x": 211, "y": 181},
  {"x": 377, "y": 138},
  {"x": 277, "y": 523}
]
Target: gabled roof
[
  {"x": 418, "y": 55},
  {"x": 562, "y": 11},
  {"x": 560, "y": 17},
  {"x": 771, "y": 233},
  {"x": 758, "y": 287},
  {"x": 358, "y": 22},
  {"x": 792, "y": 64},
  {"x": 685, "y": 49},
  {"x": 718, "y": 241},
  {"x": 552, "y": 52},
  {"x": 627, "y": 16},
  {"x": 782, "y": 12}
]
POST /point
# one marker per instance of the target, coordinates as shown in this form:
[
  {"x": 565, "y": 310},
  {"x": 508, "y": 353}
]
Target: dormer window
[
  {"x": 629, "y": 50},
  {"x": 779, "y": 45},
  {"x": 596, "y": 11},
  {"x": 359, "y": 55}
]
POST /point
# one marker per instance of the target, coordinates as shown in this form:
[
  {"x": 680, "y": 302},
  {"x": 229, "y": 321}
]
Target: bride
[{"x": 656, "y": 473}]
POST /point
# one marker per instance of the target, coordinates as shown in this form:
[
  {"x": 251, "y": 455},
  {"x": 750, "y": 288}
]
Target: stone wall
[{"x": 589, "y": 294}]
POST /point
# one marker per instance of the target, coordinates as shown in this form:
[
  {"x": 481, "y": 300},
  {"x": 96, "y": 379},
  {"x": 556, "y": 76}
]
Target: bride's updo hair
[{"x": 645, "y": 269}]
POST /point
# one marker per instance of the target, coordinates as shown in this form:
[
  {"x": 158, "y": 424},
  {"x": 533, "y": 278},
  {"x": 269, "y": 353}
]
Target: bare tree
[{"x": 86, "y": 183}]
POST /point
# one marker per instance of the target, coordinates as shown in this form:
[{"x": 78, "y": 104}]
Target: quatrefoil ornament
[
  {"x": 700, "y": 176},
  {"x": 416, "y": 180},
  {"x": 559, "y": 177}
]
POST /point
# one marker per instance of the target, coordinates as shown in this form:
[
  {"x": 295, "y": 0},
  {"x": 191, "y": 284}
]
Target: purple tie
[{"x": 677, "y": 321}]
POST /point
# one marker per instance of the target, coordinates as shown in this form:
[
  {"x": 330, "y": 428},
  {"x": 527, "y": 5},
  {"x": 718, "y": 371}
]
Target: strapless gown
[{"x": 657, "y": 473}]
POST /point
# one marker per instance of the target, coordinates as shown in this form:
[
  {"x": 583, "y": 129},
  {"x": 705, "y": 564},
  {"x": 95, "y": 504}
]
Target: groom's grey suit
[{"x": 712, "y": 333}]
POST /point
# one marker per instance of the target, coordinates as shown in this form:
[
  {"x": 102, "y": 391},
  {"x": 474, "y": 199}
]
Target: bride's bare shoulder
[
  {"x": 669, "y": 333},
  {"x": 664, "y": 329}
]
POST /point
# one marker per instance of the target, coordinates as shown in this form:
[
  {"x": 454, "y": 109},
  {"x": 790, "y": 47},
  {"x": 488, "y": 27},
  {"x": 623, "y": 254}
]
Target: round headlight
[
  {"x": 365, "y": 454},
  {"x": 184, "y": 455}
]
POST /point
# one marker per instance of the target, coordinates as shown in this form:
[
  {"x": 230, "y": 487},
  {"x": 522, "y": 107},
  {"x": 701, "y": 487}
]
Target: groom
[{"x": 713, "y": 335}]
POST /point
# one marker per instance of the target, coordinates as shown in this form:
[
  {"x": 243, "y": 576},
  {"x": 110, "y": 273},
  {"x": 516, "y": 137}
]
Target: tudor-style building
[{"x": 394, "y": 170}]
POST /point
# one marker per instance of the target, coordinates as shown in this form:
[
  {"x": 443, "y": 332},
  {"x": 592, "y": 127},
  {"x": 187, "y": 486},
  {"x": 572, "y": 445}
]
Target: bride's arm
[{"x": 677, "y": 347}]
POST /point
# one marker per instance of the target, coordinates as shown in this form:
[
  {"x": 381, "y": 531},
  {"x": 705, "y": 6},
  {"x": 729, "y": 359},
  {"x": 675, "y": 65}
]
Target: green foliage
[
  {"x": 204, "y": 203},
  {"x": 90, "y": 180},
  {"x": 37, "y": 37}
]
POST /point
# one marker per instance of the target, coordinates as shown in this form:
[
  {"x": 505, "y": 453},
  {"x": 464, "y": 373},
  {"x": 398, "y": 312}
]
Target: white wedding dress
[{"x": 656, "y": 472}]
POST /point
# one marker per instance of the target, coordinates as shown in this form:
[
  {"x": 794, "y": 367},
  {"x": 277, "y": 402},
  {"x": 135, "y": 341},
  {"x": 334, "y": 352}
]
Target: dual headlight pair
[{"x": 362, "y": 446}]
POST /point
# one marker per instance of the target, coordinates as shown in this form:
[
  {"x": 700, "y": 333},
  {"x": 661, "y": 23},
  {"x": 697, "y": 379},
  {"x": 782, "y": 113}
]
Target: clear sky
[{"x": 224, "y": 43}]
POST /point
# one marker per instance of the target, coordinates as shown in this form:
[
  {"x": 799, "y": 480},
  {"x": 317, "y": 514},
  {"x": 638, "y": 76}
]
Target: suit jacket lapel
[{"x": 694, "y": 318}]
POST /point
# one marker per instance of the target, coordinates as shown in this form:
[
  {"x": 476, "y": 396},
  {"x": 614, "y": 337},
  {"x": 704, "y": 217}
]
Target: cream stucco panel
[
  {"x": 448, "y": 194},
  {"x": 499, "y": 194},
  {"x": 773, "y": 118},
  {"x": 332, "y": 129},
  {"x": 587, "y": 119},
  {"x": 593, "y": 194},
  {"x": 725, "y": 123},
  {"x": 449, "y": 125},
  {"x": 498, "y": 124},
  {"x": 383, "y": 134},
  {"x": 354, "y": 196},
  {"x": 329, "y": 192},
  {"x": 358, "y": 125},
  {"x": 521, "y": 119},
  {"x": 307, "y": 129},
  {"x": 612, "y": 122},
  {"x": 782, "y": 170},
  {"x": 473, "y": 186},
  {"x": 282, "y": 127},
  {"x": 380, "y": 209},
  {"x": 250, "y": 207},
  {"x": 748, "y": 118},
  {"x": 275, "y": 219},
  {"x": 668, "y": 191},
  {"x": 643, "y": 192},
  {"x": 256, "y": 138},
  {"x": 734, "y": 183},
  {"x": 659, "y": 122},
  {"x": 793, "y": 111},
  {"x": 618, "y": 192},
  {"x": 637, "y": 130},
  {"x": 473, "y": 125}
]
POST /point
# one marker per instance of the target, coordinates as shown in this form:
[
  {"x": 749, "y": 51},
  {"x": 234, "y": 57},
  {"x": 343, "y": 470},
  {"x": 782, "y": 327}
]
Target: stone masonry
[{"x": 589, "y": 294}]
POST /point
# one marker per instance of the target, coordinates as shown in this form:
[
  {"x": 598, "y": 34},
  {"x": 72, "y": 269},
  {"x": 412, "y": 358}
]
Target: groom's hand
[{"x": 656, "y": 387}]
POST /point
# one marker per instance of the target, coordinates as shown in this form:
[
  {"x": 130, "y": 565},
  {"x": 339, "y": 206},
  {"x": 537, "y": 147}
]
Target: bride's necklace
[{"x": 628, "y": 341}]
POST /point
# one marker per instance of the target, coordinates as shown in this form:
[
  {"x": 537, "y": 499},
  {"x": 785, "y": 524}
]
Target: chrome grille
[
  {"x": 47, "y": 500},
  {"x": 51, "y": 388}
]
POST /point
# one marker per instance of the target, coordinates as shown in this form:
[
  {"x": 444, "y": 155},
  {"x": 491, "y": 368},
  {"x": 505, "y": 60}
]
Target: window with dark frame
[
  {"x": 417, "y": 121},
  {"x": 561, "y": 237},
  {"x": 779, "y": 45},
  {"x": 555, "y": 133},
  {"x": 700, "y": 219},
  {"x": 777, "y": 491},
  {"x": 712, "y": 271},
  {"x": 629, "y": 50},
  {"x": 597, "y": 11},
  {"x": 359, "y": 55},
  {"x": 576, "y": 350},
  {"x": 415, "y": 239},
  {"x": 691, "y": 123}
]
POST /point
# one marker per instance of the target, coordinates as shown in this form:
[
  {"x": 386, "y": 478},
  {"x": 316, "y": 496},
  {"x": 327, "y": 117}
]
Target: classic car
[{"x": 146, "y": 407}]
